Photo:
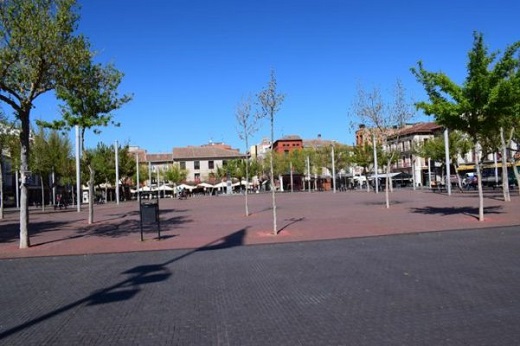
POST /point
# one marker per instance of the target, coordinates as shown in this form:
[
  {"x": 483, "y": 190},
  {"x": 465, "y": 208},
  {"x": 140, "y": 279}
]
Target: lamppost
[
  {"x": 78, "y": 172},
  {"x": 116, "y": 149},
  {"x": 447, "y": 180},
  {"x": 376, "y": 178},
  {"x": 137, "y": 178},
  {"x": 333, "y": 168}
]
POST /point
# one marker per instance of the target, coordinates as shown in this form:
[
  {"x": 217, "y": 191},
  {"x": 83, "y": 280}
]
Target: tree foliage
[
  {"x": 174, "y": 174},
  {"x": 38, "y": 47},
  {"x": 486, "y": 101},
  {"x": 383, "y": 120}
]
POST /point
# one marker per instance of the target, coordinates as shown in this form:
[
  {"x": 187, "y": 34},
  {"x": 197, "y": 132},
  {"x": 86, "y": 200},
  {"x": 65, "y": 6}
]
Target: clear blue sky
[{"x": 189, "y": 62}]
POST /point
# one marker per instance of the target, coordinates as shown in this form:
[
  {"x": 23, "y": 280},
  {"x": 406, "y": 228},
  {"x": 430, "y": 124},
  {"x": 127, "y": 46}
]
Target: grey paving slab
[{"x": 442, "y": 288}]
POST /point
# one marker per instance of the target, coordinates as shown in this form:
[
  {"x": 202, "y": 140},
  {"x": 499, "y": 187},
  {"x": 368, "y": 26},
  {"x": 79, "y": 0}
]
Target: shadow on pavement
[
  {"x": 10, "y": 232},
  {"x": 429, "y": 210},
  {"x": 128, "y": 288},
  {"x": 292, "y": 221}
]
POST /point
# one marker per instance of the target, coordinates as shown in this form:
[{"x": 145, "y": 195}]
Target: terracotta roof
[
  {"x": 289, "y": 138},
  {"x": 419, "y": 128},
  {"x": 159, "y": 157},
  {"x": 317, "y": 143},
  {"x": 205, "y": 153}
]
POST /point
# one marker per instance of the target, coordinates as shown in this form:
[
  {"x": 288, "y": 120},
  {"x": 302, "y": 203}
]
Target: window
[
  {"x": 196, "y": 165},
  {"x": 182, "y": 164},
  {"x": 211, "y": 164},
  {"x": 197, "y": 177}
]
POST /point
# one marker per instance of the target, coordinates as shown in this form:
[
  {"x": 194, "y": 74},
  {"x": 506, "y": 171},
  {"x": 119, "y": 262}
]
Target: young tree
[
  {"x": 102, "y": 162},
  {"x": 37, "y": 48},
  {"x": 6, "y": 139},
  {"x": 175, "y": 175},
  {"x": 363, "y": 156},
  {"x": 515, "y": 158},
  {"x": 41, "y": 163},
  {"x": 90, "y": 98},
  {"x": 474, "y": 107},
  {"x": 247, "y": 126},
  {"x": 270, "y": 102},
  {"x": 383, "y": 120},
  {"x": 434, "y": 149}
]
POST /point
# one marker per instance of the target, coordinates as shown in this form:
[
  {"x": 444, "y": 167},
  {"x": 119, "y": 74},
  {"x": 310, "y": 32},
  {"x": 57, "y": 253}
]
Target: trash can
[{"x": 149, "y": 211}]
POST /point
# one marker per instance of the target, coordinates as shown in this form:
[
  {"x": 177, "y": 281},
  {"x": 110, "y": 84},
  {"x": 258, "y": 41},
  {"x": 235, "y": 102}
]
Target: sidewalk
[{"x": 209, "y": 221}]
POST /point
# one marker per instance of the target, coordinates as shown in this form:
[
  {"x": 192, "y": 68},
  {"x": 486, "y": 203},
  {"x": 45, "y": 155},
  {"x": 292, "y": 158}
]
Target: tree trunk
[
  {"x": 247, "y": 180},
  {"x": 271, "y": 168},
  {"x": 273, "y": 196},
  {"x": 505, "y": 176},
  {"x": 91, "y": 195},
  {"x": 24, "y": 169}
]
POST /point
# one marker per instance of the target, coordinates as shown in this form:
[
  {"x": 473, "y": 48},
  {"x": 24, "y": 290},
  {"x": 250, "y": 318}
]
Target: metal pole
[
  {"x": 138, "y": 187},
  {"x": 376, "y": 178},
  {"x": 17, "y": 183},
  {"x": 158, "y": 183},
  {"x": 429, "y": 174},
  {"x": 292, "y": 179},
  {"x": 116, "y": 149},
  {"x": 53, "y": 187},
  {"x": 447, "y": 154},
  {"x": 150, "y": 175},
  {"x": 496, "y": 168},
  {"x": 309, "y": 174},
  {"x": 333, "y": 170},
  {"x": 78, "y": 173}
]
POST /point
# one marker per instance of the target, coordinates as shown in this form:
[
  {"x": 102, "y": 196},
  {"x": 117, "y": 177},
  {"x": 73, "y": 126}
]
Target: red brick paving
[{"x": 301, "y": 216}]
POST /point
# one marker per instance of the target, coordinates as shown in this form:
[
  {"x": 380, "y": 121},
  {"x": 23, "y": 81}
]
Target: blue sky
[{"x": 188, "y": 63}]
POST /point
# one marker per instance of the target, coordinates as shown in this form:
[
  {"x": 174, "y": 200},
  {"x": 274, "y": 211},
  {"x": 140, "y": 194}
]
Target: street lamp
[
  {"x": 116, "y": 149},
  {"x": 333, "y": 168}
]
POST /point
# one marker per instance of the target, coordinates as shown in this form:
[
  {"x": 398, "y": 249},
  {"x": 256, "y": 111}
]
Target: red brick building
[{"x": 288, "y": 144}]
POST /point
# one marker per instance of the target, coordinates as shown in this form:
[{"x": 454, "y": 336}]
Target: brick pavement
[
  {"x": 302, "y": 216},
  {"x": 433, "y": 288},
  {"x": 326, "y": 279}
]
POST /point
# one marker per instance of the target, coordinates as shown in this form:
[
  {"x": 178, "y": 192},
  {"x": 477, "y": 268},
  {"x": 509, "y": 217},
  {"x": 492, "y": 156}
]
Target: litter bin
[{"x": 149, "y": 211}]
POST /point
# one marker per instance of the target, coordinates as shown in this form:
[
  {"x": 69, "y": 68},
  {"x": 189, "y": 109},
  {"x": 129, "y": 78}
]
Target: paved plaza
[{"x": 343, "y": 270}]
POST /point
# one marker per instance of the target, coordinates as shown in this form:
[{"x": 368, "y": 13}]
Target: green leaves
[{"x": 488, "y": 99}]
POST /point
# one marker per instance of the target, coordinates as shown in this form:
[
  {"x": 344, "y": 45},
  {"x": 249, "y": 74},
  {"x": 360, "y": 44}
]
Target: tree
[
  {"x": 247, "y": 126},
  {"x": 363, "y": 156},
  {"x": 102, "y": 162},
  {"x": 6, "y": 140},
  {"x": 41, "y": 163},
  {"x": 270, "y": 102},
  {"x": 37, "y": 48},
  {"x": 474, "y": 107},
  {"x": 382, "y": 120},
  {"x": 434, "y": 149},
  {"x": 515, "y": 158},
  {"x": 175, "y": 175},
  {"x": 90, "y": 97}
]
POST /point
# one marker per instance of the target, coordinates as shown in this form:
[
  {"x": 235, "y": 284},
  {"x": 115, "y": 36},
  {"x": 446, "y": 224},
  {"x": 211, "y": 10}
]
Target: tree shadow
[
  {"x": 128, "y": 288},
  {"x": 10, "y": 231},
  {"x": 446, "y": 211},
  {"x": 291, "y": 222},
  {"x": 383, "y": 203},
  {"x": 232, "y": 240}
]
